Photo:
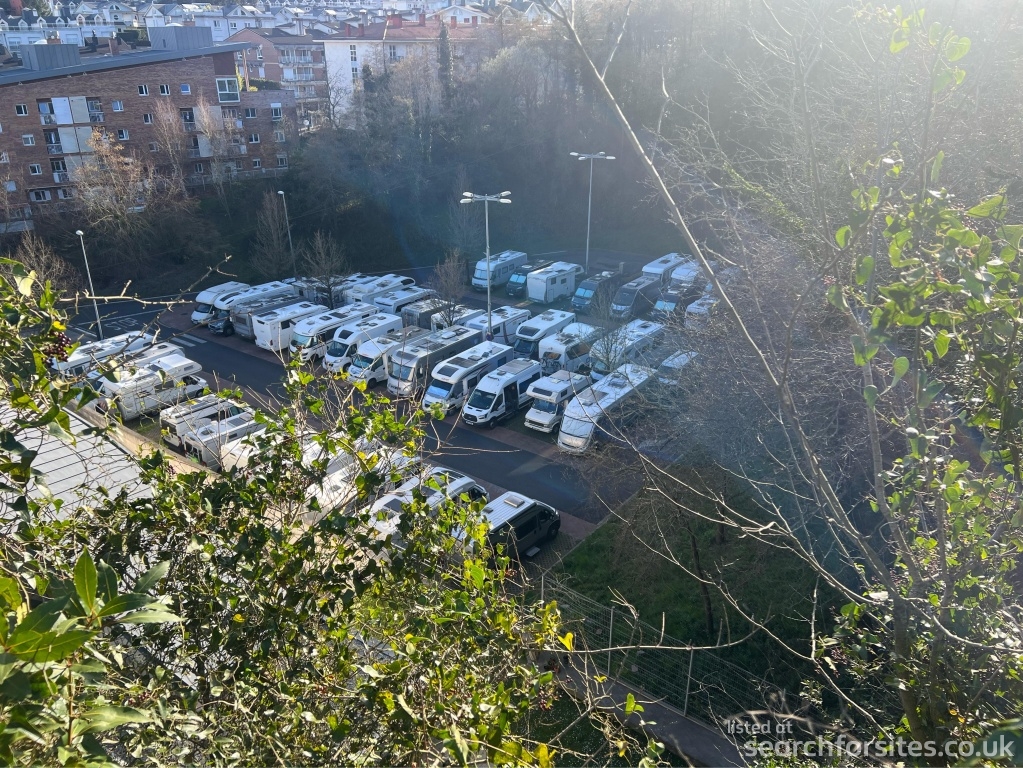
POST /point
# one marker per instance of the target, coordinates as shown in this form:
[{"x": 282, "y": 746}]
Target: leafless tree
[
  {"x": 326, "y": 260},
  {"x": 36, "y": 255},
  {"x": 218, "y": 145},
  {"x": 271, "y": 252},
  {"x": 449, "y": 282},
  {"x": 172, "y": 139}
]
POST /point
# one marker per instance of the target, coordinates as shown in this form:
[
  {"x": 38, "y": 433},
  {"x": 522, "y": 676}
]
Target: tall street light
[
  {"x": 291, "y": 247},
  {"x": 469, "y": 197},
  {"x": 88, "y": 273},
  {"x": 589, "y": 204}
]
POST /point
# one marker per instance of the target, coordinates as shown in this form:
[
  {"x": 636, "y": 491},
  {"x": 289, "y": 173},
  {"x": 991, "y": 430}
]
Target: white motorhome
[
  {"x": 159, "y": 383},
  {"x": 454, "y": 378},
  {"x": 124, "y": 367},
  {"x": 685, "y": 276},
  {"x": 421, "y": 312},
  {"x": 209, "y": 444},
  {"x": 370, "y": 363},
  {"x": 501, "y": 267},
  {"x": 272, "y": 328},
  {"x": 311, "y": 334},
  {"x": 569, "y": 349},
  {"x": 460, "y": 315},
  {"x": 551, "y": 396},
  {"x": 203, "y": 309},
  {"x": 88, "y": 356},
  {"x": 243, "y": 312},
  {"x": 554, "y": 282},
  {"x": 601, "y": 411},
  {"x": 663, "y": 267},
  {"x": 699, "y": 312},
  {"x": 504, "y": 323},
  {"x": 341, "y": 350},
  {"x": 501, "y": 394},
  {"x": 437, "y": 484},
  {"x": 257, "y": 293},
  {"x": 184, "y": 418},
  {"x": 394, "y": 302},
  {"x": 529, "y": 335},
  {"x": 670, "y": 370},
  {"x": 366, "y": 292},
  {"x": 408, "y": 369},
  {"x": 623, "y": 345}
]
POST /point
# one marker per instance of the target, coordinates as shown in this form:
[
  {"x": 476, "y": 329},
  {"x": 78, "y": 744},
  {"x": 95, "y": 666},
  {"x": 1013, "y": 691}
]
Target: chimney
[
  {"x": 394, "y": 21},
  {"x": 362, "y": 30},
  {"x": 422, "y": 19},
  {"x": 454, "y": 22},
  {"x": 16, "y": 8},
  {"x": 53, "y": 39},
  {"x": 348, "y": 29}
]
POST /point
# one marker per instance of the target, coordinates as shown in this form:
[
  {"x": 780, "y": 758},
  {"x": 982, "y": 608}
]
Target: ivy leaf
[
  {"x": 86, "y": 581},
  {"x": 864, "y": 270},
  {"x": 941, "y": 343},
  {"x": 899, "y": 367},
  {"x": 938, "y": 161},
  {"x": 991, "y": 208},
  {"x": 842, "y": 236},
  {"x": 567, "y": 640},
  {"x": 957, "y": 47}
]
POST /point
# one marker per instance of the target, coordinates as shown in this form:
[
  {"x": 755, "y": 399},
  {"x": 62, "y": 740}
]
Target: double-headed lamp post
[
  {"x": 469, "y": 197},
  {"x": 287, "y": 221},
  {"x": 589, "y": 205},
  {"x": 88, "y": 273}
]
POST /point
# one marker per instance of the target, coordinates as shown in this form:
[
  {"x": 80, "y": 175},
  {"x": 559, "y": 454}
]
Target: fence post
[
  {"x": 610, "y": 634},
  {"x": 543, "y": 601},
  {"x": 689, "y": 677}
]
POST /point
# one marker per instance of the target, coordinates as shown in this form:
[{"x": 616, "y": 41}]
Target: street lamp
[
  {"x": 291, "y": 247},
  {"x": 589, "y": 204},
  {"x": 469, "y": 197},
  {"x": 88, "y": 273}
]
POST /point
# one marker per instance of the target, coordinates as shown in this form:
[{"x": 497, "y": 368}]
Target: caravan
[
  {"x": 516, "y": 285},
  {"x": 370, "y": 363},
  {"x": 161, "y": 382},
  {"x": 124, "y": 366},
  {"x": 88, "y": 356},
  {"x": 310, "y": 335},
  {"x": 663, "y": 268},
  {"x": 554, "y": 282},
  {"x": 623, "y": 345},
  {"x": 501, "y": 267},
  {"x": 342, "y": 348},
  {"x": 504, "y": 322},
  {"x": 568, "y": 350},
  {"x": 454, "y": 378},
  {"x": 501, "y": 394},
  {"x": 408, "y": 369},
  {"x": 185, "y": 418},
  {"x": 203, "y": 310},
  {"x": 601, "y": 411},
  {"x": 257, "y": 295},
  {"x": 551, "y": 395},
  {"x": 366, "y": 292},
  {"x": 209, "y": 444},
  {"x": 393, "y": 302},
  {"x": 529, "y": 335},
  {"x": 272, "y": 328}
]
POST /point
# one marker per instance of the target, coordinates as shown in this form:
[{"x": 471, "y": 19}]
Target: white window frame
[
  {"x": 122, "y": 134},
  {"x": 165, "y": 89},
  {"x": 280, "y": 137},
  {"x": 28, "y": 139},
  {"x": 21, "y": 110},
  {"x": 147, "y": 118},
  {"x": 233, "y": 96},
  {"x": 35, "y": 169},
  {"x": 186, "y": 89},
  {"x": 282, "y": 161},
  {"x": 253, "y": 138},
  {"x": 276, "y": 112},
  {"x": 4, "y": 158},
  {"x": 198, "y": 167},
  {"x": 117, "y": 106},
  {"x": 353, "y": 52},
  {"x": 143, "y": 90},
  {"x": 154, "y": 147},
  {"x": 40, "y": 195},
  {"x": 257, "y": 163},
  {"x": 248, "y": 110},
  {"x": 65, "y": 194}
]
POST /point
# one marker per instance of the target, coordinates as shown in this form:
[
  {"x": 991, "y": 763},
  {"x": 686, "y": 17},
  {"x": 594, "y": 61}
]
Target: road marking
[
  {"x": 181, "y": 341},
  {"x": 82, "y": 331},
  {"x": 193, "y": 339}
]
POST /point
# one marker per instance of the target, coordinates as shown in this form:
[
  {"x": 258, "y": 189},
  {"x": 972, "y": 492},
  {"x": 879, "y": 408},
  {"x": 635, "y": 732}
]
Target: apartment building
[{"x": 58, "y": 98}]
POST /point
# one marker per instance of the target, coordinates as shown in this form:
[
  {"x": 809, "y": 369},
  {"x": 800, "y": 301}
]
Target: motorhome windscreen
[
  {"x": 481, "y": 400},
  {"x": 576, "y": 427},
  {"x": 220, "y": 314},
  {"x": 362, "y": 362},
  {"x": 441, "y": 389},
  {"x": 665, "y": 305},
  {"x": 301, "y": 340},
  {"x": 480, "y": 274},
  {"x": 525, "y": 346},
  {"x": 203, "y": 308},
  {"x": 401, "y": 372},
  {"x": 583, "y": 292},
  {"x": 625, "y": 296},
  {"x": 546, "y": 406}
]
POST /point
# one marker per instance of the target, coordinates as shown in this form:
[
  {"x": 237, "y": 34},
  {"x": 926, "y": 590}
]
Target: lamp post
[
  {"x": 88, "y": 273},
  {"x": 469, "y": 197},
  {"x": 589, "y": 205},
  {"x": 287, "y": 221}
]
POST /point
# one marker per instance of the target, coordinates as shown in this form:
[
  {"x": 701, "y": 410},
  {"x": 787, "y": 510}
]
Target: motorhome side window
[
  {"x": 525, "y": 526},
  {"x": 577, "y": 350},
  {"x": 524, "y": 385}
]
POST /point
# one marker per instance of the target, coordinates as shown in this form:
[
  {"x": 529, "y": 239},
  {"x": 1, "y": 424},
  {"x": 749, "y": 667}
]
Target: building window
[
  {"x": 45, "y": 107},
  {"x": 147, "y": 118},
  {"x": 186, "y": 88},
  {"x": 65, "y": 194},
  {"x": 253, "y": 138},
  {"x": 198, "y": 167},
  {"x": 355, "y": 75},
  {"x": 282, "y": 161},
  {"x": 250, "y": 112},
  {"x": 143, "y": 90},
  {"x": 11, "y": 186},
  {"x": 216, "y": 24},
  {"x": 257, "y": 163},
  {"x": 276, "y": 113},
  {"x": 122, "y": 134},
  {"x": 21, "y": 109},
  {"x": 234, "y": 25},
  {"x": 259, "y": 53},
  {"x": 165, "y": 90},
  {"x": 40, "y": 195},
  {"x": 4, "y": 158},
  {"x": 59, "y": 165},
  {"x": 280, "y": 137},
  {"x": 227, "y": 89},
  {"x": 153, "y": 147},
  {"x": 28, "y": 140},
  {"x": 353, "y": 52},
  {"x": 35, "y": 169},
  {"x": 118, "y": 106},
  {"x": 392, "y": 52},
  {"x": 237, "y": 165}
]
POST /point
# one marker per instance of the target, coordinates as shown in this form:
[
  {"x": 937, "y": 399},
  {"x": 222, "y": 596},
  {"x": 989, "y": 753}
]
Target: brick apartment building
[{"x": 51, "y": 105}]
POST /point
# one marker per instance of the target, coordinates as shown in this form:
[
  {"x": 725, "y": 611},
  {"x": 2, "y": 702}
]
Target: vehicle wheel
[
  {"x": 371, "y": 383},
  {"x": 492, "y": 423},
  {"x": 552, "y": 532},
  {"x": 229, "y": 330}
]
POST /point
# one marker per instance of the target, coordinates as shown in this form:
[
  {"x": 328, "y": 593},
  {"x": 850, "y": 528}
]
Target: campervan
[
  {"x": 518, "y": 524},
  {"x": 554, "y": 282},
  {"x": 366, "y": 292},
  {"x": 528, "y": 336},
  {"x": 623, "y": 345},
  {"x": 551, "y": 395},
  {"x": 454, "y": 378},
  {"x": 328, "y": 290},
  {"x": 516, "y": 285},
  {"x": 504, "y": 323},
  {"x": 596, "y": 291},
  {"x": 669, "y": 372},
  {"x": 203, "y": 309},
  {"x": 635, "y": 297},
  {"x": 569, "y": 349},
  {"x": 699, "y": 312},
  {"x": 257, "y": 295},
  {"x": 393, "y": 302},
  {"x": 370, "y": 363},
  {"x": 501, "y": 267},
  {"x": 663, "y": 267},
  {"x": 240, "y": 320},
  {"x": 159, "y": 383},
  {"x": 123, "y": 367},
  {"x": 272, "y": 328},
  {"x": 601, "y": 411},
  {"x": 460, "y": 315},
  {"x": 342, "y": 348},
  {"x": 408, "y": 369},
  {"x": 184, "y": 418},
  {"x": 501, "y": 394},
  {"x": 437, "y": 485},
  {"x": 310, "y": 335},
  {"x": 419, "y": 313},
  {"x": 207, "y": 445},
  {"x": 88, "y": 356}
]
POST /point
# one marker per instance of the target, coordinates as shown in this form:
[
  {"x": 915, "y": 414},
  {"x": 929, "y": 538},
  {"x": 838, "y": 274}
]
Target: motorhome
[
  {"x": 516, "y": 285},
  {"x": 554, "y": 282},
  {"x": 393, "y": 302},
  {"x": 184, "y": 418},
  {"x": 370, "y": 363},
  {"x": 419, "y": 313},
  {"x": 551, "y": 396},
  {"x": 663, "y": 267},
  {"x": 88, "y": 356},
  {"x": 123, "y": 367},
  {"x": 501, "y": 394},
  {"x": 157, "y": 384},
  {"x": 699, "y": 312},
  {"x": 597, "y": 291},
  {"x": 669, "y": 372},
  {"x": 240, "y": 320},
  {"x": 366, "y": 292},
  {"x": 460, "y": 315},
  {"x": 203, "y": 309},
  {"x": 272, "y": 328},
  {"x": 501, "y": 267},
  {"x": 207, "y": 445},
  {"x": 687, "y": 277},
  {"x": 518, "y": 524},
  {"x": 257, "y": 295},
  {"x": 437, "y": 484},
  {"x": 408, "y": 369},
  {"x": 529, "y": 334},
  {"x": 341, "y": 350},
  {"x": 635, "y": 297},
  {"x": 569, "y": 349},
  {"x": 311, "y": 334},
  {"x": 504, "y": 323},
  {"x": 453, "y": 379},
  {"x": 623, "y": 345},
  {"x": 328, "y": 290},
  {"x": 602, "y": 411}
]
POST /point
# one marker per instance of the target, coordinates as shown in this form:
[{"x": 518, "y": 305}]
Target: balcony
[
  {"x": 54, "y": 149},
  {"x": 189, "y": 125},
  {"x": 194, "y": 152},
  {"x": 96, "y": 117},
  {"x": 61, "y": 177},
  {"x": 47, "y": 119},
  {"x": 239, "y": 149}
]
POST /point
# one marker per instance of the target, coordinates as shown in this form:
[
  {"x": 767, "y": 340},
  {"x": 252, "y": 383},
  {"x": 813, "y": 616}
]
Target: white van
[
  {"x": 208, "y": 444},
  {"x": 421, "y": 312},
  {"x": 393, "y": 302},
  {"x": 159, "y": 383},
  {"x": 88, "y": 356},
  {"x": 569, "y": 349},
  {"x": 699, "y": 312},
  {"x": 601, "y": 411},
  {"x": 341, "y": 350},
  {"x": 366, "y": 292},
  {"x": 203, "y": 310},
  {"x": 623, "y": 345},
  {"x": 454, "y": 378},
  {"x": 240, "y": 319},
  {"x": 504, "y": 323},
  {"x": 460, "y": 316},
  {"x": 501, "y": 394},
  {"x": 669, "y": 372},
  {"x": 257, "y": 294},
  {"x": 663, "y": 267},
  {"x": 551, "y": 395},
  {"x": 311, "y": 334},
  {"x": 501, "y": 267},
  {"x": 272, "y": 328},
  {"x": 438, "y": 484},
  {"x": 528, "y": 336},
  {"x": 518, "y": 524},
  {"x": 408, "y": 369},
  {"x": 184, "y": 418},
  {"x": 554, "y": 282},
  {"x": 370, "y": 362}
]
